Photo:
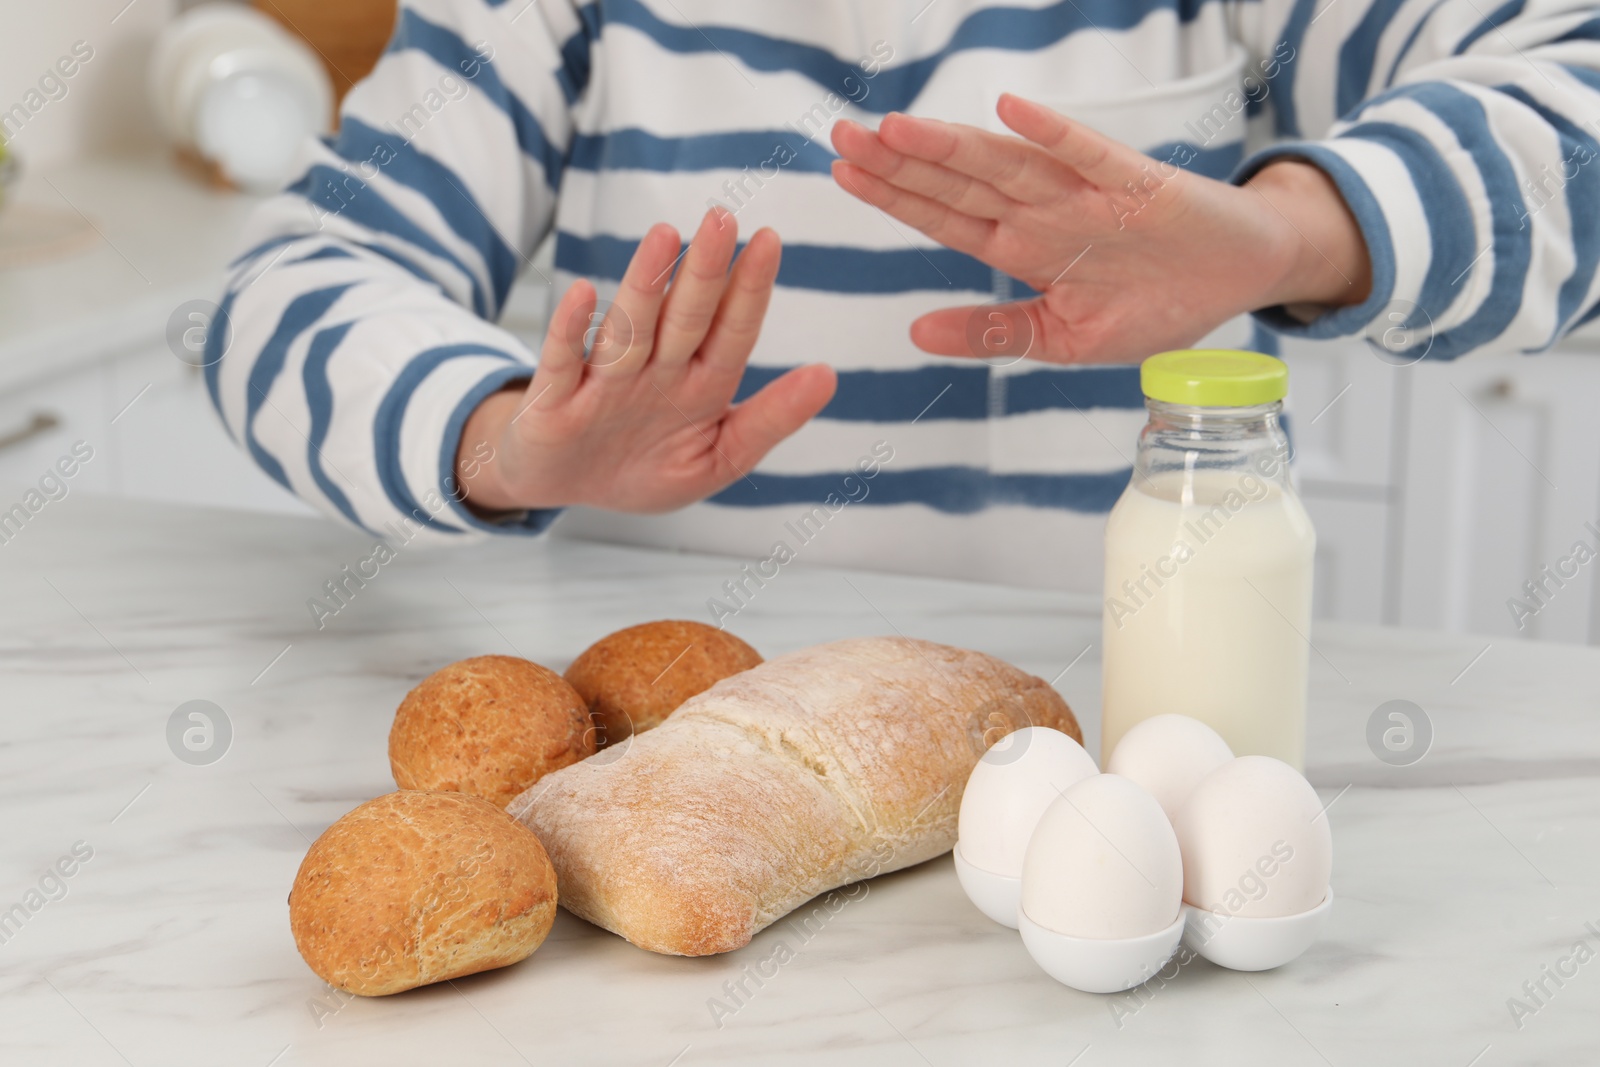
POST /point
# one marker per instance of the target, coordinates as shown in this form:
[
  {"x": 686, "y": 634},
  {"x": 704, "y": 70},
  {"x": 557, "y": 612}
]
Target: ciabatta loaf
[{"x": 810, "y": 771}]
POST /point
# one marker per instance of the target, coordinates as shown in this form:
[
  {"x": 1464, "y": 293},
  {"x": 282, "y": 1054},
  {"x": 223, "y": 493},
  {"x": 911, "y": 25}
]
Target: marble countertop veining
[{"x": 1461, "y": 882}]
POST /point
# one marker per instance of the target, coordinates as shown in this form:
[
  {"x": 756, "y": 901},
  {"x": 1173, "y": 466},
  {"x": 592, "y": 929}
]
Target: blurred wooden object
[
  {"x": 349, "y": 35},
  {"x": 207, "y": 172}
]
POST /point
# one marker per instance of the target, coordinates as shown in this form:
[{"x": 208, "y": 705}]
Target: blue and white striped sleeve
[
  {"x": 1463, "y": 137},
  {"x": 362, "y": 315}
]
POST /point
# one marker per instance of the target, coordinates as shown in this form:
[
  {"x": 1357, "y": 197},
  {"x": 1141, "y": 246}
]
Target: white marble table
[{"x": 1457, "y": 879}]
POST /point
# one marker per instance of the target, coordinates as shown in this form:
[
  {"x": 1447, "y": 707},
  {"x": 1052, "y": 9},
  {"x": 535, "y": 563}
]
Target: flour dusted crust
[
  {"x": 416, "y": 887},
  {"x": 813, "y": 770},
  {"x": 490, "y": 726},
  {"x": 635, "y": 678}
]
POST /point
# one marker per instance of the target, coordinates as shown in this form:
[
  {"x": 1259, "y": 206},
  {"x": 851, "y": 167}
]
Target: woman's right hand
[{"x": 646, "y": 423}]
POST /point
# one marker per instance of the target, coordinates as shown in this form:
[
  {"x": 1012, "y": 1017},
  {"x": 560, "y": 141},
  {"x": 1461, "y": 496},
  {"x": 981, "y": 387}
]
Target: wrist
[
  {"x": 1324, "y": 259},
  {"x": 480, "y": 454}
]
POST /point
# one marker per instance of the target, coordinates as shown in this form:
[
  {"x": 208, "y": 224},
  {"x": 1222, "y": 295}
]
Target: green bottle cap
[{"x": 1214, "y": 378}]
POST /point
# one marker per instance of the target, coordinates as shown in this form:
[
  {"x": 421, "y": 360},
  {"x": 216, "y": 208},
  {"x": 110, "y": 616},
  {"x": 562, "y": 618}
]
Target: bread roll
[
  {"x": 635, "y": 678},
  {"x": 490, "y": 726},
  {"x": 418, "y": 887},
  {"x": 810, "y": 771}
]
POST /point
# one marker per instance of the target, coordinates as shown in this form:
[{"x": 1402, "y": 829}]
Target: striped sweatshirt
[{"x": 364, "y": 306}]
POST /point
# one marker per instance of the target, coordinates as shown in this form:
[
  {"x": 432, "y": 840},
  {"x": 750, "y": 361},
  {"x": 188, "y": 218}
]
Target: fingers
[
  {"x": 623, "y": 340},
  {"x": 947, "y": 332},
  {"x": 781, "y": 407},
  {"x": 1099, "y": 159},
  {"x": 1021, "y": 171},
  {"x": 737, "y": 324},
  {"x": 691, "y": 303},
  {"x": 944, "y": 224},
  {"x": 561, "y": 359},
  {"x": 958, "y": 191}
]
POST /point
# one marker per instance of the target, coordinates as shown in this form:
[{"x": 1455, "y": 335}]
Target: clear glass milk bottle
[{"x": 1209, "y": 561}]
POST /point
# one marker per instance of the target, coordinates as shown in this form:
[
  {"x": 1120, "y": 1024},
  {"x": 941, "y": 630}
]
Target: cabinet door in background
[
  {"x": 170, "y": 444},
  {"x": 1502, "y": 474}
]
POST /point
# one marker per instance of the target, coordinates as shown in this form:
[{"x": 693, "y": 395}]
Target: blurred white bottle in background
[{"x": 241, "y": 91}]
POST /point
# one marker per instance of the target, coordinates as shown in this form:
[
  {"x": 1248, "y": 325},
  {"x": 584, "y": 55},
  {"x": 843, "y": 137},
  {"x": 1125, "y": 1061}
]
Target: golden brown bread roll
[
  {"x": 417, "y": 887},
  {"x": 490, "y": 726},
  {"x": 634, "y": 678},
  {"x": 811, "y": 771}
]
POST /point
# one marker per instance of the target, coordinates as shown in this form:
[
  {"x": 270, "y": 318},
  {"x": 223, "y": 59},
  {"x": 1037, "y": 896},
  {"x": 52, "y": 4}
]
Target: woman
[{"x": 1166, "y": 172}]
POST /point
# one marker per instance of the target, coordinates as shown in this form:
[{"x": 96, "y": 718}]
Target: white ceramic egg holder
[
  {"x": 997, "y": 896},
  {"x": 1247, "y": 943},
  {"x": 1111, "y": 965}
]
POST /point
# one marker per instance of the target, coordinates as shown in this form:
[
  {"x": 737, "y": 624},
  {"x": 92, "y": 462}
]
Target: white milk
[{"x": 1215, "y": 614}]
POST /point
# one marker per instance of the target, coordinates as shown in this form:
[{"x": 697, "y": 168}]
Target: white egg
[
  {"x": 1167, "y": 756},
  {"x": 1019, "y": 777},
  {"x": 1103, "y": 863},
  {"x": 1255, "y": 841}
]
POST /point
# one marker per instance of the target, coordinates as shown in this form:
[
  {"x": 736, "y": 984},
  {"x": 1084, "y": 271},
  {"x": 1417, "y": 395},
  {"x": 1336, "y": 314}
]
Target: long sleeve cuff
[
  {"x": 429, "y": 440},
  {"x": 1376, "y": 184}
]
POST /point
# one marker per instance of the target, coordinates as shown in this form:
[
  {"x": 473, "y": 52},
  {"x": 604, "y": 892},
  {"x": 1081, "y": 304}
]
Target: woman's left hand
[{"x": 1130, "y": 255}]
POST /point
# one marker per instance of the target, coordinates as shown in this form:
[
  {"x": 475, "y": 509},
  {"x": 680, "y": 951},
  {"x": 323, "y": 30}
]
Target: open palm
[
  {"x": 631, "y": 409},
  {"x": 1130, "y": 255}
]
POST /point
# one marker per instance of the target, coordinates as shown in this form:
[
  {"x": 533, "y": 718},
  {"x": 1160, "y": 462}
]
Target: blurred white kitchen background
[{"x": 1438, "y": 490}]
